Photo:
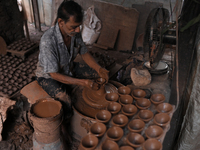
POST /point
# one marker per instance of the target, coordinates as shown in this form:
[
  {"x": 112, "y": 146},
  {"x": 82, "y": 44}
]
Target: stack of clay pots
[
  {"x": 15, "y": 74},
  {"x": 132, "y": 120},
  {"x": 21, "y": 45}
]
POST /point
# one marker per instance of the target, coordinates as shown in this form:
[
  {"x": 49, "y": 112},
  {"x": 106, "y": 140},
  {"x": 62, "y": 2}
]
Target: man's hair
[{"x": 68, "y": 9}]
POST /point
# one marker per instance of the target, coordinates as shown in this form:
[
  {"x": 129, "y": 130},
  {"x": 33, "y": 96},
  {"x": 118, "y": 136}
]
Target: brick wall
[{"x": 11, "y": 23}]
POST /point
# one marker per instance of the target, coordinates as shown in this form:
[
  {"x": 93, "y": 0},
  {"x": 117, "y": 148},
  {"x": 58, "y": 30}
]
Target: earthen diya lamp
[
  {"x": 114, "y": 107},
  {"x": 89, "y": 142},
  {"x": 109, "y": 145},
  {"x": 154, "y": 131},
  {"x": 103, "y": 116},
  {"x": 138, "y": 93},
  {"x": 126, "y": 148},
  {"x": 136, "y": 125},
  {"x": 164, "y": 108},
  {"x": 143, "y": 103},
  {"x": 152, "y": 144},
  {"x": 129, "y": 110},
  {"x": 98, "y": 129},
  {"x": 120, "y": 120},
  {"x": 114, "y": 133},
  {"x": 135, "y": 139},
  {"x": 145, "y": 115},
  {"x": 125, "y": 90},
  {"x": 162, "y": 119},
  {"x": 157, "y": 98},
  {"x": 112, "y": 97},
  {"x": 125, "y": 99}
]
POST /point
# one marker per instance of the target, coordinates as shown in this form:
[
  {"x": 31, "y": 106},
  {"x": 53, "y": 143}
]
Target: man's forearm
[{"x": 90, "y": 61}]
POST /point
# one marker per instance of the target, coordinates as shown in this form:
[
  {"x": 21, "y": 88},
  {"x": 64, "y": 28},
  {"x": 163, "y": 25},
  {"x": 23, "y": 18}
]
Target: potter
[{"x": 56, "y": 72}]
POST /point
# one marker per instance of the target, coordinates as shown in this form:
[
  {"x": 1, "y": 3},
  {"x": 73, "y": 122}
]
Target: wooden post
[{"x": 36, "y": 14}]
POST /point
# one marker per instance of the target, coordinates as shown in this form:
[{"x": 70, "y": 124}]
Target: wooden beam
[{"x": 36, "y": 14}]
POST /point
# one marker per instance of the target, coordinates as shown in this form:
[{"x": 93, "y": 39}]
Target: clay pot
[
  {"x": 143, "y": 103},
  {"x": 109, "y": 145},
  {"x": 134, "y": 139},
  {"x": 89, "y": 142},
  {"x": 103, "y": 116},
  {"x": 125, "y": 90},
  {"x": 98, "y": 129},
  {"x": 152, "y": 144},
  {"x": 112, "y": 97},
  {"x": 126, "y": 148},
  {"x": 161, "y": 119},
  {"x": 114, "y": 107},
  {"x": 100, "y": 81},
  {"x": 164, "y": 108},
  {"x": 129, "y": 110},
  {"x": 114, "y": 133},
  {"x": 136, "y": 125},
  {"x": 157, "y": 98},
  {"x": 138, "y": 93},
  {"x": 125, "y": 99},
  {"x": 145, "y": 115},
  {"x": 120, "y": 120},
  {"x": 154, "y": 131}
]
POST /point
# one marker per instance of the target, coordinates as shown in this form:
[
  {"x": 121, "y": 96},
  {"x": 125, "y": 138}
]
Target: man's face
[{"x": 70, "y": 27}]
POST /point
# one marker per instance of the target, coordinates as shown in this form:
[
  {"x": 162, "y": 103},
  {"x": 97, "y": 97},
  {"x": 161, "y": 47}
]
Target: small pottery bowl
[
  {"x": 164, "y": 108},
  {"x": 109, "y": 145},
  {"x": 134, "y": 139},
  {"x": 112, "y": 97},
  {"x": 152, "y": 144},
  {"x": 115, "y": 133},
  {"x": 98, "y": 129},
  {"x": 154, "y": 131},
  {"x": 129, "y": 110},
  {"x": 143, "y": 103},
  {"x": 114, "y": 107},
  {"x": 136, "y": 125},
  {"x": 161, "y": 119},
  {"x": 125, "y": 99},
  {"x": 124, "y": 90},
  {"x": 157, "y": 98},
  {"x": 126, "y": 148},
  {"x": 100, "y": 81},
  {"x": 145, "y": 115},
  {"x": 103, "y": 116},
  {"x": 138, "y": 93},
  {"x": 120, "y": 120},
  {"x": 89, "y": 142}
]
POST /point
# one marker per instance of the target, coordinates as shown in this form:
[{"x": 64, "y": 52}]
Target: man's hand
[
  {"x": 90, "y": 84},
  {"x": 103, "y": 73}
]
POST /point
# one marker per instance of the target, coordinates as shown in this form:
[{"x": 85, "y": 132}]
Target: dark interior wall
[{"x": 11, "y": 23}]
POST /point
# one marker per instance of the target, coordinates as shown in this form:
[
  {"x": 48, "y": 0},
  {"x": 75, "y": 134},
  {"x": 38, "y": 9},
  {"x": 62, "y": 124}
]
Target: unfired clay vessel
[
  {"x": 152, "y": 144},
  {"x": 154, "y": 131},
  {"x": 112, "y": 97},
  {"x": 115, "y": 133},
  {"x": 143, "y": 103},
  {"x": 138, "y": 93},
  {"x": 164, "y": 108},
  {"x": 129, "y": 110},
  {"x": 109, "y": 145},
  {"x": 125, "y": 99},
  {"x": 135, "y": 140},
  {"x": 157, "y": 98},
  {"x": 98, "y": 129},
  {"x": 120, "y": 120},
  {"x": 89, "y": 142},
  {"x": 103, "y": 116},
  {"x": 124, "y": 90},
  {"x": 136, "y": 125},
  {"x": 162, "y": 119},
  {"x": 145, "y": 115},
  {"x": 126, "y": 148},
  {"x": 114, "y": 107}
]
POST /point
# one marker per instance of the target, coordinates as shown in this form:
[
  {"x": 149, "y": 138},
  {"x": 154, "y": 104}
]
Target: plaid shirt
[{"x": 54, "y": 55}]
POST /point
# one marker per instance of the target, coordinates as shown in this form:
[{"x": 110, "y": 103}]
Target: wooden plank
[
  {"x": 124, "y": 19},
  {"x": 36, "y": 14}
]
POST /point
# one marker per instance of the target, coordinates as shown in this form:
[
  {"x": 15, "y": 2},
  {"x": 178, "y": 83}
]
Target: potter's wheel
[{"x": 89, "y": 102}]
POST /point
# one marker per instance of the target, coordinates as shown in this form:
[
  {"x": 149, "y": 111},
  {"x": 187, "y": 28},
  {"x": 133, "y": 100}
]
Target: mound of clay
[{"x": 140, "y": 77}]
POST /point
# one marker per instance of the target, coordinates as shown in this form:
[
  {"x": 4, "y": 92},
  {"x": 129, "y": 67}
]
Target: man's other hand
[{"x": 103, "y": 73}]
